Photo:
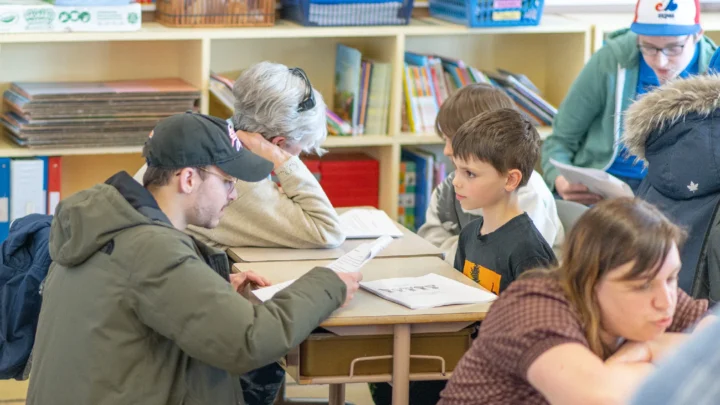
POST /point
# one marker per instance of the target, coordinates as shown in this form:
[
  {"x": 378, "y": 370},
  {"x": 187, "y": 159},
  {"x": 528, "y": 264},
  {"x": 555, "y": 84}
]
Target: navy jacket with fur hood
[{"x": 676, "y": 129}]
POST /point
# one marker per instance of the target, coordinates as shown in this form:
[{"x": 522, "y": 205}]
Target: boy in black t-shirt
[{"x": 494, "y": 154}]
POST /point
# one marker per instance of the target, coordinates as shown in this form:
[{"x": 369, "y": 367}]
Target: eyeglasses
[
  {"x": 672, "y": 50},
  {"x": 308, "y": 101},
  {"x": 229, "y": 181}
]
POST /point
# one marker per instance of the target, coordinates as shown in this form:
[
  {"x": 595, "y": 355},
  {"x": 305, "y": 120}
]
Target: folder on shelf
[
  {"x": 27, "y": 195},
  {"x": 53, "y": 186},
  {"x": 4, "y": 198}
]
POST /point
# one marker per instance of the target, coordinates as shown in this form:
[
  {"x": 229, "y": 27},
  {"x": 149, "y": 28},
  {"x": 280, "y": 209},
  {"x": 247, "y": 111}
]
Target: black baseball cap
[{"x": 197, "y": 140}]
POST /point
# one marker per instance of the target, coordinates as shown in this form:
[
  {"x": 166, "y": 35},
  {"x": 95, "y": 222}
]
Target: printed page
[
  {"x": 358, "y": 257},
  {"x": 597, "y": 181},
  {"x": 363, "y": 223},
  {"x": 348, "y": 263},
  {"x": 429, "y": 291},
  {"x": 266, "y": 293}
]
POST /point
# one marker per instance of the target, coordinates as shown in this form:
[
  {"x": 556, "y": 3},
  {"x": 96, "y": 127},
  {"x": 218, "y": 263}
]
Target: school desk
[
  {"x": 410, "y": 244},
  {"x": 376, "y": 318}
]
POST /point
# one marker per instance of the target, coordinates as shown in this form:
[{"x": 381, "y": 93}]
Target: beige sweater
[{"x": 298, "y": 216}]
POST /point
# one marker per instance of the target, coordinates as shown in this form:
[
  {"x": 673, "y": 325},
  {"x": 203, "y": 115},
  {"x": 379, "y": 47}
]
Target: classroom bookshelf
[{"x": 551, "y": 55}]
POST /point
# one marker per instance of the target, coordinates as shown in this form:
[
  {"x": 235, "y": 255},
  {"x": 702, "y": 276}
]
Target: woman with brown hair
[{"x": 589, "y": 330}]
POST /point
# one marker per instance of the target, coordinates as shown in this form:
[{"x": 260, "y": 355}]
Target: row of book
[
  {"x": 420, "y": 172},
  {"x": 28, "y": 186},
  {"x": 428, "y": 80},
  {"x": 87, "y": 114},
  {"x": 362, "y": 93}
]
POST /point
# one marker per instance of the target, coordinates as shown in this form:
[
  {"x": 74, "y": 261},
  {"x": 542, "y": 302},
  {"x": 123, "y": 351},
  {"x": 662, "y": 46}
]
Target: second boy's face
[{"x": 478, "y": 184}]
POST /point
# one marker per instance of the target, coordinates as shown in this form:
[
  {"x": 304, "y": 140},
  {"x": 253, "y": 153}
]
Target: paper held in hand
[
  {"x": 366, "y": 223},
  {"x": 597, "y": 181},
  {"x": 350, "y": 262},
  {"x": 428, "y": 291}
]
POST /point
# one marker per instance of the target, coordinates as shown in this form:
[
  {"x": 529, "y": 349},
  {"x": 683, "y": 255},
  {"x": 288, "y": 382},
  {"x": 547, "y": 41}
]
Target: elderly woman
[
  {"x": 278, "y": 115},
  {"x": 590, "y": 330}
]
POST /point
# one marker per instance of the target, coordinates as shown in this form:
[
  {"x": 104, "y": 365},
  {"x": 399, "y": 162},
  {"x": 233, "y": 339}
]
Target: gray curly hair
[{"x": 267, "y": 96}]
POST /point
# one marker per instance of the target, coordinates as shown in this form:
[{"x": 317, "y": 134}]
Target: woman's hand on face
[
  {"x": 648, "y": 352},
  {"x": 665, "y": 344},
  {"x": 260, "y": 146},
  {"x": 632, "y": 352}
]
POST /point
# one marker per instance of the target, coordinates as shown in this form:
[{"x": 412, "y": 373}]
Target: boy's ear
[{"x": 514, "y": 177}]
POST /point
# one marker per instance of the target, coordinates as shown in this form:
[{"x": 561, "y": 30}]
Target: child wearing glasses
[{"x": 665, "y": 41}]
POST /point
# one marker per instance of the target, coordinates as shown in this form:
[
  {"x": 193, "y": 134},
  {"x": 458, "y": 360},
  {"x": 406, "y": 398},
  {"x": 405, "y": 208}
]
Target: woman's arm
[{"x": 571, "y": 374}]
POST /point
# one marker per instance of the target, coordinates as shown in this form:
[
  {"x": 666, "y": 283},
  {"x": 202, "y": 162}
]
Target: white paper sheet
[
  {"x": 364, "y": 223},
  {"x": 355, "y": 259},
  {"x": 597, "y": 181},
  {"x": 348, "y": 263},
  {"x": 428, "y": 291}
]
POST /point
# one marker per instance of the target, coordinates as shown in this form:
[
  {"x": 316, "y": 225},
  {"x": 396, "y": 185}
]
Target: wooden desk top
[
  {"x": 409, "y": 245},
  {"x": 369, "y": 309}
]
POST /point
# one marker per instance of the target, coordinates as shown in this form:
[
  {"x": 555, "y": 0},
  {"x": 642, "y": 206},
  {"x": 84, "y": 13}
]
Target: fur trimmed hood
[{"x": 662, "y": 108}]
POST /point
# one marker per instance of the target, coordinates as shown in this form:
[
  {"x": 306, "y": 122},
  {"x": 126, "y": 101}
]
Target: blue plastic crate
[
  {"x": 337, "y": 13},
  {"x": 488, "y": 13}
]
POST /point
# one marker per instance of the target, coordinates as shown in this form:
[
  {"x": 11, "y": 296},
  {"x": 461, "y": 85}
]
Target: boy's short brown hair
[
  {"x": 503, "y": 138},
  {"x": 466, "y": 103}
]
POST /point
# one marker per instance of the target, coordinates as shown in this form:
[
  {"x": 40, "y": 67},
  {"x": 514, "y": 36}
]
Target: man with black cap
[{"x": 135, "y": 311}]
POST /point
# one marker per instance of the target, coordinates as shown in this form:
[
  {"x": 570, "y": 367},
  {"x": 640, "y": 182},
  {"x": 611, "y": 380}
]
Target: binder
[
  {"x": 27, "y": 193},
  {"x": 4, "y": 198},
  {"x": 54, "y": 183}
]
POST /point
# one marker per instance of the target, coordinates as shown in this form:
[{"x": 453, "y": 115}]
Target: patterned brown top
[{"x": 529, "y": 318}]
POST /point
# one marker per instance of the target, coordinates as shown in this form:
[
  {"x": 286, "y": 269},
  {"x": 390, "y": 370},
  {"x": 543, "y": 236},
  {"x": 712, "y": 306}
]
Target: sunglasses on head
[{"x": 308, "y": 101}]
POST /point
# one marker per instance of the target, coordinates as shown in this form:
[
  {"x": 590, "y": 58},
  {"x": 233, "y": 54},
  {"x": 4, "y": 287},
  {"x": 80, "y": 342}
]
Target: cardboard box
[{"x": 38, "y": 16}]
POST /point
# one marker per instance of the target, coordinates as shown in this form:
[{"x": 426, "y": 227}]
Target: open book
[
  {"x": 348, "y": 263},
  {"x": 366, "y": 223},
  {"x": 597, "y": 181},
  {"x": 428, "y": 291}
]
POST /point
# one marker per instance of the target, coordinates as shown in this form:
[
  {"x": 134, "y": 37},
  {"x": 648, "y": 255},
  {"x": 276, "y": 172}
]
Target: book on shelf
[
  {"x": 428, "y": 80},
  {"x": 361, "y": 93}
]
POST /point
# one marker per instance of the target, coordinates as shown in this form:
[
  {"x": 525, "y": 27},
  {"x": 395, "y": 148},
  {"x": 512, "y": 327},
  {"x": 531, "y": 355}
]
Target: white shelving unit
[{"x": 551, "y": 55}]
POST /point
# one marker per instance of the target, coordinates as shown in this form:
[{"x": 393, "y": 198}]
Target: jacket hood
[
  {"x": 623, "y": 44},
  {"x": 673, "y": 128},
  {"x": 87, "y": 221}
]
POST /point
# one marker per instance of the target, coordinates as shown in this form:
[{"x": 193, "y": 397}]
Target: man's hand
[
  {"x": 241, "y": 280},
  {"x": 575, "y": 192},
  {"x": 352, "y": 282},
  {"x": 260, "y": 146}
]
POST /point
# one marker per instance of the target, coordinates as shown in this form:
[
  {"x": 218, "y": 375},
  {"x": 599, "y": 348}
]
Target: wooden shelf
[
  {"x": 557, "y": 48},
  {"x": 357, "y": 141},
  {"x": 432, "y": 139},
  {"x": 287, "y": 29}
]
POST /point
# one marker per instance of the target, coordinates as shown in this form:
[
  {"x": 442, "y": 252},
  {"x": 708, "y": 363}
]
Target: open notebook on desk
[
  {"x": 428, "y": 291},
  {"x": 348, "y": 263}
]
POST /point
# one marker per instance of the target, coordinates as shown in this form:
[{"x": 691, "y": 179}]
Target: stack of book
[
  {"x": 428, "y": 80},
  {"x": 87, "y": 114}
]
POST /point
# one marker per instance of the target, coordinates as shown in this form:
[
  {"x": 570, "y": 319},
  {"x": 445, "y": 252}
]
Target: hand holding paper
[
  {"x": 350, "y": 262},
  {"x": 597, "y": 181}
]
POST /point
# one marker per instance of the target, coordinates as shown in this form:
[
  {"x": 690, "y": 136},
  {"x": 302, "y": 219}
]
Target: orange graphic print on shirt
[{"x": 487, "y": 278}]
